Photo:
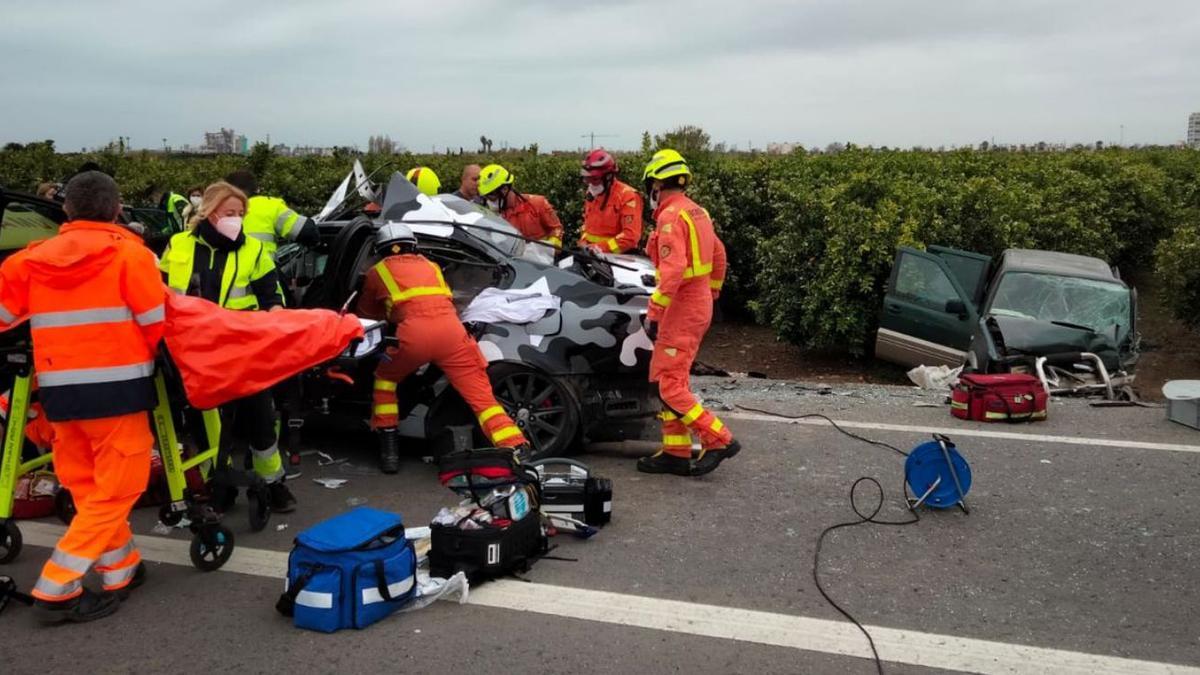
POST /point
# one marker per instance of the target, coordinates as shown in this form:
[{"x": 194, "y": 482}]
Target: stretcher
[{"x": 212, "y": 543}]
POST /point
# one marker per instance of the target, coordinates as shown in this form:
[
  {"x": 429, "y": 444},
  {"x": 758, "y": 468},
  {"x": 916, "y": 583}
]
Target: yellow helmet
[
  {"x": 425, "y": 180},
  {"x": 666, "y": 164},
  {"x": 492, "y": 177}
]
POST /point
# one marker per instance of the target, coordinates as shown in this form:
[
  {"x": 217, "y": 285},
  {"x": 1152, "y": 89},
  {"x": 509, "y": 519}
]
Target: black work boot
[
  {"x": 710, "y": 459},
  {"x": 88, "y": 606},
  {"x": 389, "y": 450},
  {"x": 139, "y": 578},
  {"x": 282, "y": 500},
  {"x": 660, "y": 462}
]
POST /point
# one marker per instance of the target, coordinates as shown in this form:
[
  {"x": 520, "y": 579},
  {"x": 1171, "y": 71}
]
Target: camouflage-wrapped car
[{"x": 578, "y": 373}]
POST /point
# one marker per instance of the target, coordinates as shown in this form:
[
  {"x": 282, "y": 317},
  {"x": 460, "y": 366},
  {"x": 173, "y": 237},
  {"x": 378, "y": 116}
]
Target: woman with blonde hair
[{"x": 216, "y": 261}]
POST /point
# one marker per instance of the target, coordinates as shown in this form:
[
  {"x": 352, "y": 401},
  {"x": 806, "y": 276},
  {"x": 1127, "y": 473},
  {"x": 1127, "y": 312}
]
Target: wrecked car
[
  {"x": 1069, "y": 319},
  {"x": 576, "y": 373}
]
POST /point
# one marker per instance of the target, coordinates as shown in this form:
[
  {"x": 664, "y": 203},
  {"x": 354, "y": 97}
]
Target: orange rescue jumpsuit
[
  {"x": 613, "y": 221},
  {"x": 534, "y": 217},
  {"x": 689, "y": 261},
  {"x": 409, "y": 290},
  {"x": 94, "y": 300}
]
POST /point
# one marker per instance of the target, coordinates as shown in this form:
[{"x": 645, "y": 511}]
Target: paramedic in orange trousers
[
  {"x": 408, "y": 290},
  {"x": 94, "y": 301},
  {"x": 689, "y": 262}
]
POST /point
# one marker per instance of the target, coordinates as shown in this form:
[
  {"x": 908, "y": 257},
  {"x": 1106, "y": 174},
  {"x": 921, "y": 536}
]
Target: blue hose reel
[{"x": 937, "y": 473}]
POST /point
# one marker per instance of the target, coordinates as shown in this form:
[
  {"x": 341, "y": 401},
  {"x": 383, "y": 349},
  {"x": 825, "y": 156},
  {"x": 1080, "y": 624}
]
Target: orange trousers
[
  {"x": 680, "y": 333},
  {"x": 105, "y": 463},
  {"x": 441, "y": 339}
]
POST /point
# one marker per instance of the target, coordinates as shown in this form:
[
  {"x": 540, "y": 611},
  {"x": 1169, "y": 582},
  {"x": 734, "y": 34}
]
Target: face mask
[
  {"x": 595, "y": 189},
  {"x": 195, "y": 200},
  {"x": 229, "y": 227},
  {"x": 493, "y": 203},
  {"x": 654, "y": 192}
]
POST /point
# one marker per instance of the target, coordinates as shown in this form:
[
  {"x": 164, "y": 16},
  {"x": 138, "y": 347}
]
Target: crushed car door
[
  {"x": 927, "y": 317},
  {"x": 970, "y": 269}
]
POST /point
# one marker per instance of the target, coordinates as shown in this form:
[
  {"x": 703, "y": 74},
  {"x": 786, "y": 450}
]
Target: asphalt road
[{"x": 1088, "y": 552}]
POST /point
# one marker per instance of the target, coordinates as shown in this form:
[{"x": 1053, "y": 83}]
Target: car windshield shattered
[{"x": 1086, "y": 303}]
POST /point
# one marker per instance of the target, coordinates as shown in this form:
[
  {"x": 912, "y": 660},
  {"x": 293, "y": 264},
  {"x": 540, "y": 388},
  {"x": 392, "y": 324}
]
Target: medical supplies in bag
[
  {"x": 497, "y": 530},
  {"x": 349, "y": 571}
]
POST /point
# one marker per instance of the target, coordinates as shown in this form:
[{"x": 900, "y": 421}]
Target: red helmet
[{"x": 598, "y": 164}]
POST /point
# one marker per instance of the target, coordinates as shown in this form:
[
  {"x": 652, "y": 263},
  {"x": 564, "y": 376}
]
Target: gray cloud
[{"x": 545, "y": 71}]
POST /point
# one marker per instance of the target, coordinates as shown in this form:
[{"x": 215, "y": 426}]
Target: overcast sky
[{"x": 323, "y": 72}]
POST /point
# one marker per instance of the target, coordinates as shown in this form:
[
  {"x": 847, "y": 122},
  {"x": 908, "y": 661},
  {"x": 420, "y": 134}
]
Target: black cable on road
[{"x": 862, "y": 517}]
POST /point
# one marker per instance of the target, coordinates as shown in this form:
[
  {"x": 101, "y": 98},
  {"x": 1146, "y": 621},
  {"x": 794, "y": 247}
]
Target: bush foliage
[{"x": 811, "y": 237}]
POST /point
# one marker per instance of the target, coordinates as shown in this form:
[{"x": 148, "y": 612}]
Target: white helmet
[{"x": 392, "y": 234}]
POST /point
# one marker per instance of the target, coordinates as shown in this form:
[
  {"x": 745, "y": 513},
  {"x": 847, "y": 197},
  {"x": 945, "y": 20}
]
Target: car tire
[{"x": 545, "y": 407}]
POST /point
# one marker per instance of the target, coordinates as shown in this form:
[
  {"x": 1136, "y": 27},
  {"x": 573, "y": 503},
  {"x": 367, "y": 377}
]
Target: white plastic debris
[
  {"x": 281, "y": 527},
  {"x": 431, "y": 589},
  {"x": 331, "y": 483},
  {"x": 934, "y": 377}
]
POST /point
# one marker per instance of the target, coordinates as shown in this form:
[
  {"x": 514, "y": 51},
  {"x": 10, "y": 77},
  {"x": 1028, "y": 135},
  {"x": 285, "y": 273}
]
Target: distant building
[
  {"x": 782, "y": 148},
  {"x": 1193, "y": 135},
  {"x": 225, "y": 142}
]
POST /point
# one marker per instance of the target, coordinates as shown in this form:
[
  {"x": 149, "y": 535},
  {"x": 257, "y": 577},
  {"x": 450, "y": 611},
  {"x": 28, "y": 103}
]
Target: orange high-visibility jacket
[
  {"x": 404, "y": 284},
  {"x": 613, "y": 221},
  {"x": 94, "y": 300},
  {"x": 534, "y": 217},
  {"x": 685, "y": 251}
]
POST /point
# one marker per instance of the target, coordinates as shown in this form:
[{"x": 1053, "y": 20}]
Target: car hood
[{"x": 1041, "y": 338}]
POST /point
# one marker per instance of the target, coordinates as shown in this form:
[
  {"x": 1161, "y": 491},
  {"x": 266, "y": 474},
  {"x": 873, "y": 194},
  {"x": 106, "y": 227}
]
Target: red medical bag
[{"x": 999, "y": 398}]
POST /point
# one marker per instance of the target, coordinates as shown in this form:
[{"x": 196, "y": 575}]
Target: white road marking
[
  {"x": 766, "y": 628},
  {"x": 978, "y": 433}
]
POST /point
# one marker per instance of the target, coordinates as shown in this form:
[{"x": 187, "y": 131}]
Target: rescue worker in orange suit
[
  {"x": 94, "y": 301},
  {"x": 532, "y": 215},
  {"x": 689, "y": 262},
  {"x": 612, "y": 210},
  {"x": 408, "y": 290}
]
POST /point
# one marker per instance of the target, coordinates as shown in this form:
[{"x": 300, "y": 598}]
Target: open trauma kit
[{"x": 501, "y": 526}]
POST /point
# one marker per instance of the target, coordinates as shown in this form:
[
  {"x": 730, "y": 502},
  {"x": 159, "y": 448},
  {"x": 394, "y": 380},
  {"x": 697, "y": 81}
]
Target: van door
[{"x": 927, "y": 316}]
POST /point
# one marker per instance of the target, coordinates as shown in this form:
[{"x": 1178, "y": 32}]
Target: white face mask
[
  {"x": 654, "y": 192},
  {"x": 229, "y": 227},
  {"x": 493, "y": 203},
  {"x": 195, "y": 200},
  {"x": 595, "y": 189}
]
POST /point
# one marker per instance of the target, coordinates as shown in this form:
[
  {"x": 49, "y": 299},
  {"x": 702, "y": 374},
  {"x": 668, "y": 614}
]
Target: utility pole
[{"x": 592, "y": 136}]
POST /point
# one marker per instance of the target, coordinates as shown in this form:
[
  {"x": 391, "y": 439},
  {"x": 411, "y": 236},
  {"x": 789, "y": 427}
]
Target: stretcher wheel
[
  {"x": 64, "y": 505},
  {"x": 211, "y": 547},
  {"x": 260, "y": 508},
  {"x": 169, "y": 517},
  {"x": 10, "y": 542}
]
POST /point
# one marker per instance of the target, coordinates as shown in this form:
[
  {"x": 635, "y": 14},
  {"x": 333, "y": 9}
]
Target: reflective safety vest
[
  {"x": 176, "y": 203},
  {"x": 408, "y": 277},
  {"x": 270, "y": 221},
  {"x": 94, "y": 301},
  {"x": 249, "y": 263},
  {"x": 684, "y": 248},
  {"x": 613, "y": 221}
]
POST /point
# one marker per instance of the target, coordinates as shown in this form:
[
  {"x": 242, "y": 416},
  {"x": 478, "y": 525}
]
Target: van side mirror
[{"x": 957, "y": 307}]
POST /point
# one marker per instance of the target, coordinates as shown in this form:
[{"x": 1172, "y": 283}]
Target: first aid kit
[
  {"x": 1010, "y": 397},
  {"x": 569, "y": 489},
  {"x": 498, "y": 530},
  {"x": 349, "y": 571}
]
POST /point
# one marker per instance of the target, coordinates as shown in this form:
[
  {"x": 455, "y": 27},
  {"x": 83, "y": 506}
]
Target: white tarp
[{"x": 526, "y": 305}]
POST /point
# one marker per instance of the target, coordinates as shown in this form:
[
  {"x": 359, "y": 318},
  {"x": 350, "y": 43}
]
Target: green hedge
[{"x": 810, "y": 237}]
